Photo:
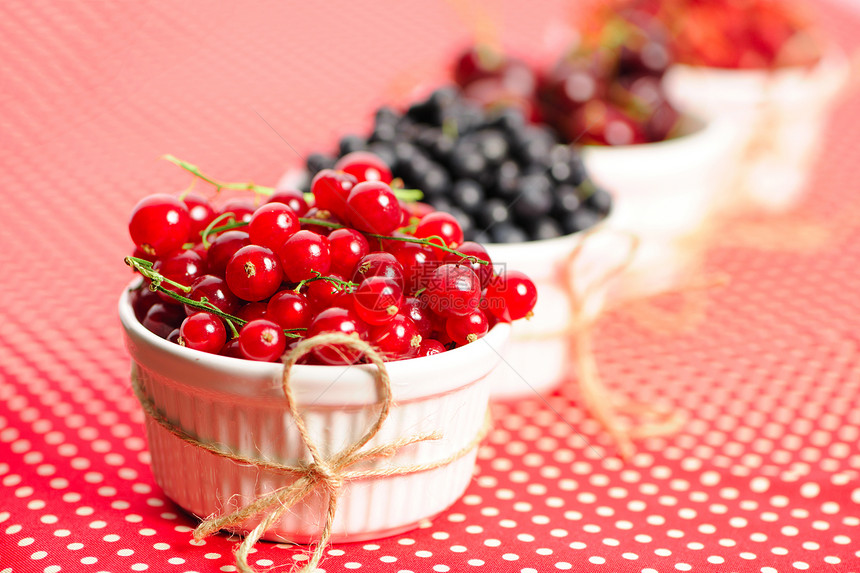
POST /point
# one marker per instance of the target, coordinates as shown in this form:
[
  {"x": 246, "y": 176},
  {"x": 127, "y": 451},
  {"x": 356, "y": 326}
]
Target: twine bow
[{"x": 321, "y": 474}]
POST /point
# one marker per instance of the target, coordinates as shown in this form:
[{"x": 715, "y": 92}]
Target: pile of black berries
[{"x": 505, "y": 180}]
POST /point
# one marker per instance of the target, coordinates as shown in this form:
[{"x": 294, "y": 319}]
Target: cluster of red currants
[{"x": 351, "y": 257}]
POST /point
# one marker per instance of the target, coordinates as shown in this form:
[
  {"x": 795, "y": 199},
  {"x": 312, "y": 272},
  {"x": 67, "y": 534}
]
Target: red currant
[
  {"x": 289, "y": 309},
  {"x": 254, "y": 273},
  {"x": 347, "y": 247},
  {"x": 373, "y": 208},
  {"x": 304, "y": 253},
  {"x": 378, "y": 264},
  {"x": 377, "y": 300},
  {"x": 429, "y": 347},
  {"x": 203, "y": 331},
  {"x": 453, "y": 290},
  {"x": 518, "y": 292},
  {"x": 337, "y": 320},
  {"x": 440, "y": 224},
  {"x": 216, "y": 292},
  {"x": 231, "y": 349},
  {"x": 173, "y": 336},
  {"x": 272, "y": 224},
  {"x": 262, "y": 340},
  {"x": 222, "y": 249},
  {"x": 159, "y": 224},
  {"x": 183, "y": 267},
  {"x": 162, "y": 318},
  {"x": 418, "y": 262},
  {"x": 322, "y": 293},
  {"x": 201, "y": 212},
  {"x": 471, "y": 249},
  {"x": 418, "y": 311},
  {"x": 242, "y": 209},
  {"x": 467, "y": 328},
  {"x": 397, "y": 339},
  {"x": 142, "y": 300},
  {"x": 253, "y": 311},
  {"x": 364, "y": 166},
  {"x": 292, "y": 198},
  {"x": 330, "y": 189}
]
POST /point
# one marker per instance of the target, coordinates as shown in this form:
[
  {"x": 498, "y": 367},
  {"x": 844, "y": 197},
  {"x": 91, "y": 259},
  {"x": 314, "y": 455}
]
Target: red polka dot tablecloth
[{"x": 762, "y": 477}]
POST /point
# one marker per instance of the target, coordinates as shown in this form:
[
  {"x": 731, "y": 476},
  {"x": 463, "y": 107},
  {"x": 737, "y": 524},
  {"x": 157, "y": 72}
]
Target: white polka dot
[
  {"x": 125, "y": 552},
  {"x": 563, "y": 565},
  {"x": 111, "y": 537},
  {"x": 715, "y": 559},
  {"x": 218, "y": 555},
  {"x": 74, "y": 546},
  {"x": 683, "y": 566},
  {"x": 98, "y": 524},
  {"x": 13, "y": 529},
  {"x": 662, "y": 552},
  {"x": 266, "y": 562},
  {"x": 842, "y": 539},
  {"x": 52, "y": 569},
  {"x": 597, "y": 560},
  {"x": 89, "y": 560},
  {"x": 800, "y": 565},
  {"x": 176, "y": 560},
  {"x": 578, "y": 545},
  {"x": 441, "y": 568},
  {"x": 36, "y": 504},
  {"x": 388, "y": 559},
  {"x": 39, "y": 555},
  {"x": 25, "y": 541},
  {"x": 492, "y": 542},
  {"x": 510, "y": 556},
  {"x": 423, "y": 553},
  {"x": 630, "y": 556},
  {"x": 161, "y": 546},
  {"x": 458, "y": 548},
  {"x": 62, "y": 533},
  {"x": 139, "y": 567},
  {"x": 747, "y": 555},
  {"x": 475, "y": 562}
]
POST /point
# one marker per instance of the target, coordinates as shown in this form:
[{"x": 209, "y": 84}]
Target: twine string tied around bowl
[
  {"x": 597, "y": 397},
  {"x": 322, "y": 474}
]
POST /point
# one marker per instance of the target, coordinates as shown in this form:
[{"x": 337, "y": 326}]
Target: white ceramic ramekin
[
  {"x": 665, "y": 193},
  {"x": 238, "y": 406},
  {"x": 537, "y": 358},
  {"x": 781, "y": 114}
]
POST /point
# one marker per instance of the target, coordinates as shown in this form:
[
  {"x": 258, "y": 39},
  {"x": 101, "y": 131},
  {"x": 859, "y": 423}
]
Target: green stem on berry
[
  {"x": 320, "y": 223},
  {"x": 426, "y": 241},
  {"x": 219, "y": 185},
  {"x": 346, "y": 285},
  {"x": 408, "y": 195},
  {"x": 212, "y": 227},
  {"x": 144, "y": 267}
]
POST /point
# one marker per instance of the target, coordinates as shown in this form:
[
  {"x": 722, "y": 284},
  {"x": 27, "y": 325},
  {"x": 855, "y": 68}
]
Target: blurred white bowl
[
  {"x": 665, "y": 194},
  {"x": 537, "y": 357},
  {"x": 238, "y": 406},
  {"x": 781, "y": 114}
]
